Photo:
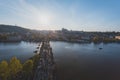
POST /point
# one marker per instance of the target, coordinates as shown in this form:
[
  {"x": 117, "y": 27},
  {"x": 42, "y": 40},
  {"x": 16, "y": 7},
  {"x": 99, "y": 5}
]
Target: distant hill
[{"x": 10, "y": 28}]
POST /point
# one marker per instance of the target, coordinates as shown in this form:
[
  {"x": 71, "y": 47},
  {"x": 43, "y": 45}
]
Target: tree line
[{"x": 15, "y": 70}]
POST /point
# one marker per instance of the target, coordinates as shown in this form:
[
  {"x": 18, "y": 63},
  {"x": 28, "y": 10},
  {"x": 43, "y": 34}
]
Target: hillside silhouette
[{"x": 11, "y": 28}]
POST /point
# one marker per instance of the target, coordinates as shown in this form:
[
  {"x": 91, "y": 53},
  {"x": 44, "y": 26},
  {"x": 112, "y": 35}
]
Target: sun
[{"x": 44, "y": 19}]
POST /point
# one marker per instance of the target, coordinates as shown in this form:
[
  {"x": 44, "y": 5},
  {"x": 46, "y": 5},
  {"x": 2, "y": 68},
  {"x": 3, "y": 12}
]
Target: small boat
[
  {"x": 35, "y": 51},
  {"x": 37, "y": 48},
  {"x": 100, "y": 48}
]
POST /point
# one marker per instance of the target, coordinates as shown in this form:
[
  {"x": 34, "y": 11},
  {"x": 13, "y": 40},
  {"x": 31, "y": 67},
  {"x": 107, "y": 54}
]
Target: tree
[
  {"x": 15, "y": 66},
  {"x": 35, "y": 60},
  {"x": 27, "y": 69},
  {"x": 28, "y": 66},
  {"x": 4, "y": 71}
]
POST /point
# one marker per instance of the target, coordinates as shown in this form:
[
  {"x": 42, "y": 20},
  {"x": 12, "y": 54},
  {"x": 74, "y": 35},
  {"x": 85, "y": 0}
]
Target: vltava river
[
  {"x": 22, "y": 50},
  {"x": 87, "y": 61},
  {"x": 74, "y": 61}
]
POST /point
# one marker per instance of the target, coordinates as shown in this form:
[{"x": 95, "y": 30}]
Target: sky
[{"x": 85, "y": 15}]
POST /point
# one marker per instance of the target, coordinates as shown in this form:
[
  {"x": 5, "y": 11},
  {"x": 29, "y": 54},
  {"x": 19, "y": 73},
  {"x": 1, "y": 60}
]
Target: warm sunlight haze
[
  {"x": 87, "y": 15},
  {"x": 59, "y": 39},
  {"x": 44, "y": 19}
]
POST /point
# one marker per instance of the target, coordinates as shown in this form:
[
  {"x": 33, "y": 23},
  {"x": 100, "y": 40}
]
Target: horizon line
[{"x": 59, "y": 29}]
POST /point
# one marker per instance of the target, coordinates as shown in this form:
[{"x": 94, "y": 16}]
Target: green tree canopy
[
  {"x": 4, "y": 72},
  {"x": 35, "y": 60},
  {"x": 28, "y": 66},
  {"x": 15, "y": 66}
]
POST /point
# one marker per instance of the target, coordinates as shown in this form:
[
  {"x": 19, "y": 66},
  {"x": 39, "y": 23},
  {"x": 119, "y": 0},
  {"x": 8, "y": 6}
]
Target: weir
[{"x": 46, "y": 65}]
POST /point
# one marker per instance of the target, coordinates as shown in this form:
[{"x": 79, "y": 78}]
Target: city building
[{"x": 117, "y": 37}]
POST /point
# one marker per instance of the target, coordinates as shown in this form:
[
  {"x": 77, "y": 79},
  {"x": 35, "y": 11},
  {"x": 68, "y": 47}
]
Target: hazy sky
[{"x": 87, "y": 15}]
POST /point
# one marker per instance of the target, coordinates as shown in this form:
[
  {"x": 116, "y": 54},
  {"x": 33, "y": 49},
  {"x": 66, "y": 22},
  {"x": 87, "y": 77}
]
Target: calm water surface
[
  {"x": 86, "y": 61},
  {"x": 22, "y": 50},
  {"x": 74, "y": 61}
]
